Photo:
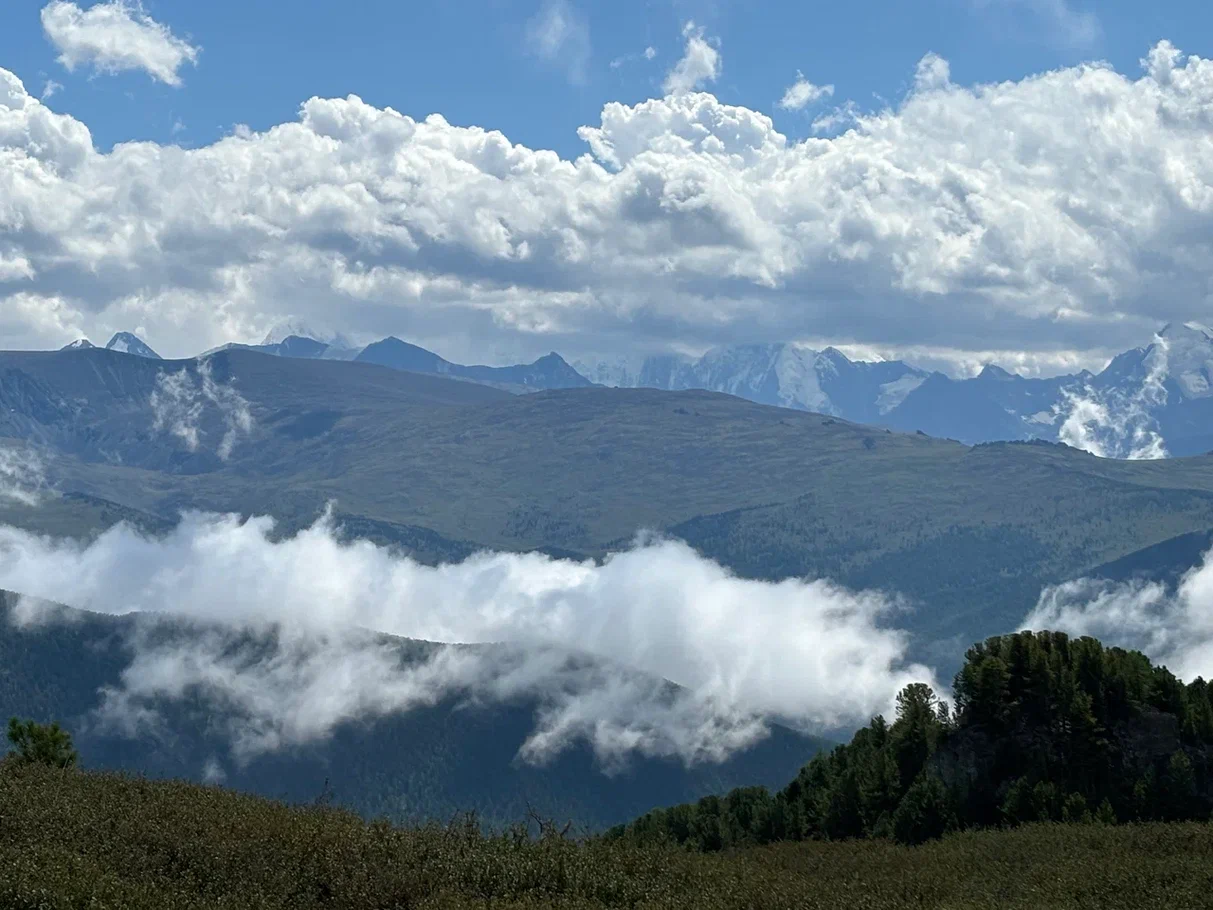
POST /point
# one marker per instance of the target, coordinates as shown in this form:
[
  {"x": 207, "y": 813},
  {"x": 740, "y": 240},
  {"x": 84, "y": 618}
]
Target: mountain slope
[
  {"x": 103, "y": 405},
  {"x": 302, "y": 347},
  {"x": 971, "y": 533},
  {"x": 429, "y": 763},
  {"x": 548, "y": 372},
  {"x": 786, "y": 375}
]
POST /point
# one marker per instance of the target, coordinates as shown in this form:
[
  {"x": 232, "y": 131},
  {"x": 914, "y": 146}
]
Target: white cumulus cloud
[
  {"x": 802, "y": 93},
  {"x": 589, "y": 642},
  {"x": 700, "y": 63},
  {"x": 690, "y": 222},
  {"x": 115, "y": 37}
]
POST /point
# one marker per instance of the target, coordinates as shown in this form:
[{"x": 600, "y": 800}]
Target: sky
[{"x": 1028, "y": 182}]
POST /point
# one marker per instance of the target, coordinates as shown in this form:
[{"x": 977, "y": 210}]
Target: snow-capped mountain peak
[
  {"x": 618, "y": 372},
  {"x": 80, "y": 344},
  {"x": 1184, "y": 353},
  {"x": 1193, "y": 331},
  {"x": 791, "y": 375},
  {"x": 298, "y": 328},
  {"x": 129, "y": 343}
]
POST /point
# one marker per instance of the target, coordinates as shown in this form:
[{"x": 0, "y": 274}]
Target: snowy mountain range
[
  {"x": 787, "y": 375},
  {"x": 1149, "y": 402},
  {"x": 1153, "y": 401}
]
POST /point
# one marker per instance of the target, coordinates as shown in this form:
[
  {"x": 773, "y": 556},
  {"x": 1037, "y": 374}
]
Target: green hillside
[{"x": 82, "y": 839}]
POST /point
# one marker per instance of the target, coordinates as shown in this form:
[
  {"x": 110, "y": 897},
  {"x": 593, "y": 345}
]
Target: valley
[{"x": 443, "y": 467}]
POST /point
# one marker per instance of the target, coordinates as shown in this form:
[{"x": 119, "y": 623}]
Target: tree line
[{"x": 1044, "y": 727}]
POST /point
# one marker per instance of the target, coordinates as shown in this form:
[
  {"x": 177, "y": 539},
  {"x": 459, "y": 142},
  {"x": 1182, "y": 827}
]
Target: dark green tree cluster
[
  {"x": 1045, "y": 728},
  {"x": 44, "y": 744}
]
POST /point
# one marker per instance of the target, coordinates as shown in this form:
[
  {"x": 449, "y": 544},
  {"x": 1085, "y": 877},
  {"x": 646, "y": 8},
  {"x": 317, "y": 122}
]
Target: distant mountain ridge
[
  {"x": 789, "y": 375},
  {"x": 548, "y": 372},
  {"x": 1160, "y": 393},
  {"x": 1150, "y": 401}
]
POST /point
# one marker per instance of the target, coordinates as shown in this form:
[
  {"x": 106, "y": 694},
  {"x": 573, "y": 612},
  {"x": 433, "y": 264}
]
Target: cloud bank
[
  {"x": 116, "y": 37},
  {"x": 689, "y": 222},
  {"x": 590, "y": 643},
  {"x": 1174, "y": 626}
]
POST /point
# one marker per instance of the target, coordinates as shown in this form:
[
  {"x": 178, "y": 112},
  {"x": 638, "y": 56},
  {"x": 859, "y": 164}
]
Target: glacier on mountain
[{"x": 1147, "y": 402}]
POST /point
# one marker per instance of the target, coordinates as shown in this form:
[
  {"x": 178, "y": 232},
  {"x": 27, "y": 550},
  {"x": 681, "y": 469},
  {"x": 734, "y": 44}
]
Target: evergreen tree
[
  {"x": 44, "y": 744},
  {"x": 925, "y": 812},
  {"x": 1075, "y": 809},
  {"x": 1178, "y": 787}
]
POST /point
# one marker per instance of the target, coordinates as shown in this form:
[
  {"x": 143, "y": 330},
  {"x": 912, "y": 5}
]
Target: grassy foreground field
[{"x": 71, "y": 839}]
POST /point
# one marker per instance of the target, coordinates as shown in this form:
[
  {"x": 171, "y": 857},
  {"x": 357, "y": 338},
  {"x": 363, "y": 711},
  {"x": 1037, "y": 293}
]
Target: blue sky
[
  {"x": 1025, "y": 182},
  {"x": 470, "y": 60}
]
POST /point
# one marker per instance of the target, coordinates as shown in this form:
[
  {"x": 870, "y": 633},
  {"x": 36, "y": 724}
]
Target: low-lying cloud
[
  {"x": 180, "y": 399},
  {"x": 1173, "y": 625},
  {"x": 589, "y": 644},
  {"x": 22, "y": 475}
]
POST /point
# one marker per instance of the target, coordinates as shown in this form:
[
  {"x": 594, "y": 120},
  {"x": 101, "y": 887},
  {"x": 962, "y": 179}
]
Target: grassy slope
[
  {"x": 428, "y": 763},
  {"x": 75, "y": 839}
]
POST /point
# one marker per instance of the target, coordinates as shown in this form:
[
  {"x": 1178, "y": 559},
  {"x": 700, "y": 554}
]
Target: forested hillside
[
  {"x": 431, "y": 762},
  {"x": 1044, "y": 728}
]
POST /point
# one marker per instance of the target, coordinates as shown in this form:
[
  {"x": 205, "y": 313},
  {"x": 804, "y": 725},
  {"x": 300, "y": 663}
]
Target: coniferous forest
[{"x": 1045, "y": 728}]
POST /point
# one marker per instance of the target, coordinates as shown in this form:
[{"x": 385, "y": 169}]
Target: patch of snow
[
  {"x": 128, "y": 343},
  {"x": 894, "y": 393},
  {"x": 621, "y": 372},
  {"x": 796, "y": 370},
  {"x": 1188, "y": 352}
]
